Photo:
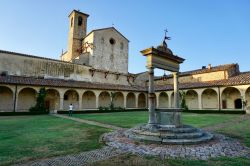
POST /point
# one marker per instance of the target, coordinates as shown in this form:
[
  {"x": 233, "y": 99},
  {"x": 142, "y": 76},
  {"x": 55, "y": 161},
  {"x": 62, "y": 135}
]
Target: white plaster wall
[
  {"x": 230, "y": 94},
  {"x": 192, "y": 99},
  {"x": 88, "y": 100},
  {"x": 218, "y": 75},
  {"x": 131, "y": 100},
  {"x": 118, "y": 100},
  {"x": 104, "y": 99},
  {"x": 141, "y": 100},
  {"x": 6, "y": 99},
  {"x": 26, "y": 99},
  {"x": 73, "y": 98},
  {"x": 209, "y": 99},
  {"x": 38, "y": 67},
  {"x": 163, "y": 100},
  {"x": 53, "y": 97},
  {"x": 247, "y": 98},
  {"x": 110, "y": 57}
]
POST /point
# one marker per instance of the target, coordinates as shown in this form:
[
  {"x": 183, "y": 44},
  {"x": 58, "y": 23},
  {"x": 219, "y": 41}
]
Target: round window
[{"x": 112, "y": 41}]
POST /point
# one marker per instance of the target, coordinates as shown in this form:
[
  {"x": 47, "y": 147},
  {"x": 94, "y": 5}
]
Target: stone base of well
[
  {"x": 164, "y": 134},
  {"x": 168, "y": 129}
]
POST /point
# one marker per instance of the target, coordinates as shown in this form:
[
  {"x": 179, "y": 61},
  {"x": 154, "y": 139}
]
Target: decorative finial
[
  {"x": 166, "y": 38},
  {"x": 113, "y": 24}
]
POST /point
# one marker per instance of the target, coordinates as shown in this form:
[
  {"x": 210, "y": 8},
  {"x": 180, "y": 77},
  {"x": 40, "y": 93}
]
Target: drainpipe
[{"x": 15, "y": 98}]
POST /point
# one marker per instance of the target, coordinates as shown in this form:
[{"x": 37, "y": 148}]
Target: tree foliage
[
  {"x": 40, "y": 102},
  {"x": 183, "y": 101}
]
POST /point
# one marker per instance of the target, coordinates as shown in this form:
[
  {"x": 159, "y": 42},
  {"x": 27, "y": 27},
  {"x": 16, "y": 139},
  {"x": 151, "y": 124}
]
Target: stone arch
[
  {"x": 88, "y": 100},
  {"x": 71, "y": 97},
  {"x": 192, "y": 99},
  {"x": 52, "y": 99},
  {"x": 104, "y": 99},
  {"x": 6, "y": 99},
  {"x": 229, "y": 96},
  {"x": 209, "y": 98},
  {"x": 130, "y": 100},
  {"x": 26, "y": 99},
  {"x": 118, "y": 100},
  {"x": 163, "y": 100},
  {"x": 247, "y": 98},
  {"x": 141, "y": 100}
]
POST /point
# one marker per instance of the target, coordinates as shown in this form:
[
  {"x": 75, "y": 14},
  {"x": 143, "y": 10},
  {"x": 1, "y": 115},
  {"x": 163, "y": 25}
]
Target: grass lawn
[
  {"x": 239, "y": 130},
  {"x": 24, "y": 138},
  {"x": 130, "y": 119}
]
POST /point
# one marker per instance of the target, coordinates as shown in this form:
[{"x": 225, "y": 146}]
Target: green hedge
[
  {"x": 127, "y": 110},
  {"x": 216, "y": 111},
  {"x": 21, "y": 113},
  {"x": 100, "y": 111}
]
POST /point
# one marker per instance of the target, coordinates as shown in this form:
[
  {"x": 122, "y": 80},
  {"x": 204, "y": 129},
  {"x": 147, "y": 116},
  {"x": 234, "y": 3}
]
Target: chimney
[{"x": 209, "y": 66}]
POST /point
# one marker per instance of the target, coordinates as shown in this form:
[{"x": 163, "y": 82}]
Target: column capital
[
  {"x": 175, "y": 72},
  {"x": 150, "y": 69}
]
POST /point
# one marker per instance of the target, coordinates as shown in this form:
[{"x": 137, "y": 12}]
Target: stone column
[
  {"x": 200, "y": 100},
  {"x": 176, "y": 90},
  {"x": 80, "y": 102},
  {"x": 177, "y": 115},
  {"x": 125, "y": 102},
  {"x": 243, "y": 99},
  {"x": 151, "y": 97},
  {"x": 136, "y": 100},
  {"x": 61, "y": 102},
  {"x": 169, "y": 99},
  {"x": 125, "y": 99},
  {"x": 15, "y": 99},
  {"x": 157, "y": 99},
  {"x": 97, "y": 101}
]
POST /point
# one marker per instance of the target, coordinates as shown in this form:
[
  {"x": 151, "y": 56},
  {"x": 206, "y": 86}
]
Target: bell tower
[{"x": 77, "y": 31}]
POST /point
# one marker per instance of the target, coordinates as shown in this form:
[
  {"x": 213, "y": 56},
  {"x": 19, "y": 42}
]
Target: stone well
[{"x": 165, "y": 125}]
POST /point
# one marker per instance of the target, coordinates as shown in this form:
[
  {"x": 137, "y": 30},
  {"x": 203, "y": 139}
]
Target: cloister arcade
[
  {"x": 21, "y": 98},
  {"x": 60, "y": 98}
]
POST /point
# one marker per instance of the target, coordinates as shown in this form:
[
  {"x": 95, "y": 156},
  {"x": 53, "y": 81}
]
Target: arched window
[{"x": 79, "y": 21}]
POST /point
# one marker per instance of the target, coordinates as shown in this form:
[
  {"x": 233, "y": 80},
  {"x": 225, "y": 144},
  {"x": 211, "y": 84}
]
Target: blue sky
[{"x": 202, "y": 31}]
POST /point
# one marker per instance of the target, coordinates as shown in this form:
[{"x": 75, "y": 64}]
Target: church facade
[{"x": 96, "y": 65}]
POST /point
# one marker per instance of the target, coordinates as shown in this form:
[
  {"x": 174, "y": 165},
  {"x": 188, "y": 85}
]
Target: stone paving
[
  {"x": 218, "y": 147},
  {"x": 77, "y": 159}
]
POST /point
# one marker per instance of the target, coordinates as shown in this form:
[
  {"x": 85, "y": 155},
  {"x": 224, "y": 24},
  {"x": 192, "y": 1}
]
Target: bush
[
  {"x": 183, "y": 101},
  {"x": 216, "y": 111},
  {"x": 40, "y": 102}
]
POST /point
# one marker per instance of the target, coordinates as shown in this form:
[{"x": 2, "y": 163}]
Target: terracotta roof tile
[
  {"x": 65, "y": 83},
  {"x": 241, "y": 79}
]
